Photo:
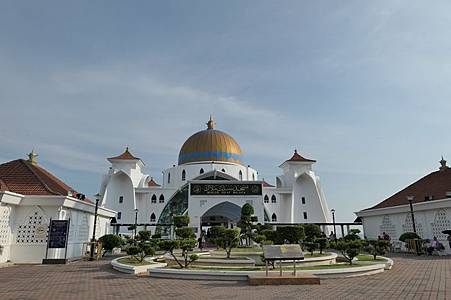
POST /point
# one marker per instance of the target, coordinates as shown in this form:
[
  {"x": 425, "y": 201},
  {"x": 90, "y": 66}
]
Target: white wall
[
  {"x": 193, "y": 170},
  {"x": 429, "y": 223},
  {"x": 119, "y": 185}
]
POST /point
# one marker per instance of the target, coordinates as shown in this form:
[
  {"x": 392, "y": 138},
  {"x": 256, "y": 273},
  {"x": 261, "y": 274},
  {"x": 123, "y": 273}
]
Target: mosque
[{"x": 210, "y": 184}]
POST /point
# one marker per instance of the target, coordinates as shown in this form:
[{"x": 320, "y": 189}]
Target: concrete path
[{"x": 411, "y": 278}]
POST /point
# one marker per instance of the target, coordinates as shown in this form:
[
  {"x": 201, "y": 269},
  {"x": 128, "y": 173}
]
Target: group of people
[{"x": 384, "y": 237}]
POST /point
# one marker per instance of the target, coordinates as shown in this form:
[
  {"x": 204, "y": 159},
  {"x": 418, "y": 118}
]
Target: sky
[{"x": 363, "y": 87}]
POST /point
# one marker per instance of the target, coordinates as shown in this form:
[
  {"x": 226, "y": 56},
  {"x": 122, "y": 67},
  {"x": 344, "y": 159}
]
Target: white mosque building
[{"x": 211, "y": 184}]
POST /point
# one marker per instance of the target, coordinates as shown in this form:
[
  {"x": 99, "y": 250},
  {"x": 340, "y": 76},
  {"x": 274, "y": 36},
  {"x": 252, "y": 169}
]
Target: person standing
[{"x": 449, "y": 240}]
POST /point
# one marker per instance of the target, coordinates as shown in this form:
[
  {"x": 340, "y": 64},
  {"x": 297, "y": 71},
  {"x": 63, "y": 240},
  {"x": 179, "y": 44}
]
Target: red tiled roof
[
  {"x": 152, "y": 182},
  {"x": 23, "y": 177},
  {"x": 126, "y": 155},
  {"x": 431, "y": 187},
  {"x": 265, "y": 184},
  {"x": 297, "y": 157}
]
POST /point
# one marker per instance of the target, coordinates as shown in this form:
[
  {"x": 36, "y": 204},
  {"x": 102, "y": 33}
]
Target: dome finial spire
[{"x": 211, "y": 123}]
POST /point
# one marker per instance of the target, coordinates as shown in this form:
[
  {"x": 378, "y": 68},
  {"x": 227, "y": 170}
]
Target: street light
[
  {"x": 410, "y": 199},
  {"x": 136, "y": 220},
  {"x": 93, "y": 240},
  {"x": 333, "y": 221}
]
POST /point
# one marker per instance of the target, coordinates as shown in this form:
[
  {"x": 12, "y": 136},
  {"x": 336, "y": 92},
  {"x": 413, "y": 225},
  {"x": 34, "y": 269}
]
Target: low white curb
[
  {"x": 242, "y": 275},
  {"x": 129, "y": 269}
]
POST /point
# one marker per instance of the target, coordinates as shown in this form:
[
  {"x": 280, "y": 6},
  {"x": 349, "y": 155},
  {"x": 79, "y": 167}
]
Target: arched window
[
  {"x": 169, "y": 177},
  {"x": 273, "y": 199},
  {"x": 266, "y": 199},
  {"x": 183, "y": 175},
  {"x": 201, "y": 171},
  {"x": 223, "y": 171},
  {"x": 240, "y": 175},
  {"x": 253, "y": 176},
  {"x": 161, "y": 200},
  {"x": 153, "y": 218},
  {"x": 154, "y": 198},
  {"x": 273, "y": 218}
]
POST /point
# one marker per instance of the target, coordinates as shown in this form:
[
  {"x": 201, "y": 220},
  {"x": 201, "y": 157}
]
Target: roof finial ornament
[
  {"x": 443, "y": 165},
  {"x": 295, "y": 151},
  {"x": 211, "y": 123},
  {"x": 32, "y": 157}
]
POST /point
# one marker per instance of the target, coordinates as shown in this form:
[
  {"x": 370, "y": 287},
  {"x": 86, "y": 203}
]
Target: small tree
[
  {"x": 142, "y": 246},
  {"x": 322, "y": 243},
  {"x": 291, "y": 234},
  {"x": 186, "y": 241},
  {"x": 353, "y": 235},
  {"x": 312, "y": 231},
  {"x": 311, "y": 247},
  {"x": 110, "y": 241},
  {"x": 408, "y": 236},
  {"x": 377, "y": 247},
  {"x": 349, "y": 248},
  {"x": 227, "y": 239},
  {"x": 245, "y": 223}
]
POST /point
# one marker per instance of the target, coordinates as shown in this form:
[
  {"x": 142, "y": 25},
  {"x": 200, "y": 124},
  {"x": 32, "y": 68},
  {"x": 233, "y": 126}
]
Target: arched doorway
[{"x": 224, "y": 213}]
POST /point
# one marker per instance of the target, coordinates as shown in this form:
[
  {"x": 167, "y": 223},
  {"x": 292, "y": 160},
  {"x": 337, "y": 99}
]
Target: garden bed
[{"x": 130, "y": 265}]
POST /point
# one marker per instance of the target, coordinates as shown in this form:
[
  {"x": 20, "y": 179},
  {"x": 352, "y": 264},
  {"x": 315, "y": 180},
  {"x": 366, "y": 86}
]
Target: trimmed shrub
[
  {"x": 110, "y": 241},
  {"x": 408, "y": 236}
]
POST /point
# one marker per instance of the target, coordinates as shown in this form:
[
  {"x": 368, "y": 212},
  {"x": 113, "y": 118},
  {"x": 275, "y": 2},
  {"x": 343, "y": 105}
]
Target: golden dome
[{"x": 210, "y": 145}]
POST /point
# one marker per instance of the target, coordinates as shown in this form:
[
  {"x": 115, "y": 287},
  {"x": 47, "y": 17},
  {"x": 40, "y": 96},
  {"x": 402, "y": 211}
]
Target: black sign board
[
  {"x": 246, "y": 189},
  {"x": 58, "y": 234}
]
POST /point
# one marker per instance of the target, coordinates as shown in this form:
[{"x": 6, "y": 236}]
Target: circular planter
[
  {"x": 347, "y": 272},
  {"x": 130, "y": 269}
]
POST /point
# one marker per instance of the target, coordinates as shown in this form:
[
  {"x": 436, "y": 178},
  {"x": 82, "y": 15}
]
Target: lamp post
[
  {"x": 410, "y": 199},
  {"x": 136, "y": 220},
  {"x": 93, "y": 240},
  {"x": 333, "y": 221}
]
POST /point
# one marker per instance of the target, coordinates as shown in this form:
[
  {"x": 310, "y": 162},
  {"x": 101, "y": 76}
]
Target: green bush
[
  {"x": 185, "y": 233},
  {"x": 408, "y": 236},
  {"x": 377, "y": 247},
  {"x": 227, "y": 239},
  {"x": 353, "y": 235},
  {"x": 110, "y": 241},
  {"x": 260, "y": 238},
  {"x": 245, "y": 223},
  {"x": 312, "y": 231},
  {"x": 144, "y": 235},
  {"x": 291, "y": 234},
  {"x": 322, "y": 243},
  {"x": 311, "y": 247},
  {"x": 349, "y": 248},
  {"x": 247, "y": 210},
  {"x": 181, "y": 221}
]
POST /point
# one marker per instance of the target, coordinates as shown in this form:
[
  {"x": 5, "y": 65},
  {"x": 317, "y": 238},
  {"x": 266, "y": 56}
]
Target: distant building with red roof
[
  {"x": 29, "y": 197},
  {"x": 431, "y": 202}
]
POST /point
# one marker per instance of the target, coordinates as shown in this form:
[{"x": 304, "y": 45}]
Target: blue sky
[{"x": 361, "y": 86}]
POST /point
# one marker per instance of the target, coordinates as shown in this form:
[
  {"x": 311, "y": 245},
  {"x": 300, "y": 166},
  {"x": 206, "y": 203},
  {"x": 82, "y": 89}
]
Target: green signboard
[{"x": 232, "y": 189}]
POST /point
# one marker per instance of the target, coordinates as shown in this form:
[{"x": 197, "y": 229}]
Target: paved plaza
[{"x": 411, "y": 278}]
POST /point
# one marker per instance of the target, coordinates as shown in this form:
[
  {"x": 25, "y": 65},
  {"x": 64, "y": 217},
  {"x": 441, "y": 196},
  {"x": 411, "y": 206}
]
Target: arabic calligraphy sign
[{"x": 250, "y": 189}]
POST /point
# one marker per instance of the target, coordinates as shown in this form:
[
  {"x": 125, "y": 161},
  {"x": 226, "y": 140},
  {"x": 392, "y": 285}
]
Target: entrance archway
[{"x": 224, "y": 213}]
